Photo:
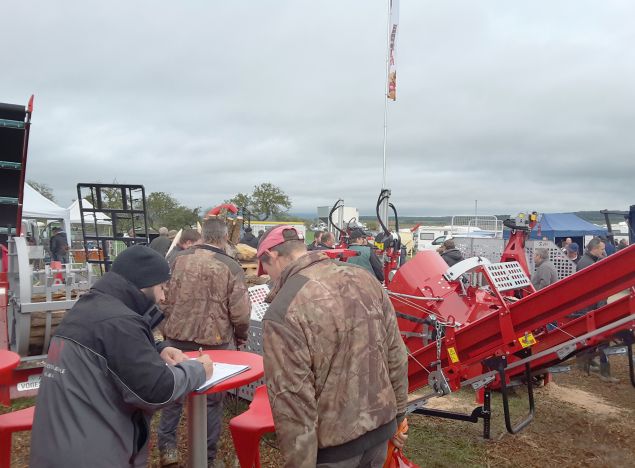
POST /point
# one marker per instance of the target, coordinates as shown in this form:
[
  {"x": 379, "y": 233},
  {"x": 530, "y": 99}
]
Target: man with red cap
[{"x": 335, "y": 364}]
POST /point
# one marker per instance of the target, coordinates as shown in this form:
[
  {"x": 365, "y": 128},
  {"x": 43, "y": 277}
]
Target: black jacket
[
  {"x": 102, "y": 381},
  {"x": 587, "y": 260},
  {"x": 161, "y": 244},
  {"x": 250, "y": 240},
  {"x": 58, "y": 245},
  {"x": 452, "y": 256}
]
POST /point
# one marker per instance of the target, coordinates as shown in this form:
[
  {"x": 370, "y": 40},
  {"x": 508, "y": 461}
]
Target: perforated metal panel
[
  {"x": 564, "y": 266},
  {"x": 257, "y": 295},
  {"x": 492, "y": 249},
  {"x": 507, "y": 276}
]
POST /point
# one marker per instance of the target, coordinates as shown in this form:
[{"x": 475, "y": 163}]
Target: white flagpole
[{"x": 386, "y": 85}]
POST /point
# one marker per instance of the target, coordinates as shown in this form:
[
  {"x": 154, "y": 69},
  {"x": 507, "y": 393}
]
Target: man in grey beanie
[{"x": 105, "y": 376}]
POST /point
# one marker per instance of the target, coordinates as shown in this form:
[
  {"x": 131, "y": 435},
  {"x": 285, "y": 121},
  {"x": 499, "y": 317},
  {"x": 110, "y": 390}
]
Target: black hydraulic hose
[
  {"x": 382, "y": 196},
  {"x": 394, "y": 210}
]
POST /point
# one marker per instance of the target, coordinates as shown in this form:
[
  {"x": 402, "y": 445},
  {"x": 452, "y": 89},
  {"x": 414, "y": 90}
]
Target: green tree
[
  {"x": 269, "y": 201},
  {"x": 164, "y": 210},
  {"x": 43, "y": 189}
]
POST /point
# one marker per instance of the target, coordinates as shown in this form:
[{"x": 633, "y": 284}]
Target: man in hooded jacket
[
  {"x": 249, "y": 238},
  {"x": 450, "y": 253},
  {"x": 105, "y": 376}
]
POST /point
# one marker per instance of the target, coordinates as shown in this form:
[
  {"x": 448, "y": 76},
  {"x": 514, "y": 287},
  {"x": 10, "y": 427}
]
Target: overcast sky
[{"x": 523, "y": 105}]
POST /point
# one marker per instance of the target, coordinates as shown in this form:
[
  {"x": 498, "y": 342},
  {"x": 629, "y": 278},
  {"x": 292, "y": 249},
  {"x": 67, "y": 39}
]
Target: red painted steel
[{"x": 492, "y": 325}]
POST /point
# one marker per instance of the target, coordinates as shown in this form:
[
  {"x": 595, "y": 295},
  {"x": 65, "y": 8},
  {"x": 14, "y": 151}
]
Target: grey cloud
[{"x": 521, "y": 105}]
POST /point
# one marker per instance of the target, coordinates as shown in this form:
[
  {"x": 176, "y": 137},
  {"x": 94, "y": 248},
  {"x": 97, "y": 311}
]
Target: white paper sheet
[{"x": 222, "y": 372}]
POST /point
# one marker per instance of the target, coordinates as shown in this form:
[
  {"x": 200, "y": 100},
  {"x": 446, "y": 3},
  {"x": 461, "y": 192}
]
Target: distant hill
[{"x": 594, "y": 217}]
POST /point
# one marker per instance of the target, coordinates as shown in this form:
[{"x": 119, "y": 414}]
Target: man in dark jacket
[
  {"x": 365, "y": 258},
  {"x": 450, "y": 253},
  {"x": 317, "y": 238},
  {"x": 335, "y": 363},
  {"x": 104, "y": 376},
  {"x": 189, "y": 237},
  {"x": 249, "y": 238},
  {"x": 593, "y": 253},
  {"x": 327, "y": 241},
  {"x": 59, "y": 246},
  {"x": 161, "y": 243}
]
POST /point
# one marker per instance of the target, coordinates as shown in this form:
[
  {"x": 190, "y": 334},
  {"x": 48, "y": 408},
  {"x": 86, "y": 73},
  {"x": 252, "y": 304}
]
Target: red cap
[{"x": 276, "y": 236}]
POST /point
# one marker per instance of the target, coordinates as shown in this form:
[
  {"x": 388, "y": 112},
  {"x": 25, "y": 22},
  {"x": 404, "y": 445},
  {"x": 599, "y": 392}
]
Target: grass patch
[
  {"x": 18, "y": 404},
  {"x": 442, "y": 443}
]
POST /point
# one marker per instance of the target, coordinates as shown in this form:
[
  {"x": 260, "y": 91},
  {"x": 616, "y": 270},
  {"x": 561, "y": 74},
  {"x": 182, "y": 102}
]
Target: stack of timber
[
  {"x": 38, "y": 322},
  {"x": 247, "y": 257}
]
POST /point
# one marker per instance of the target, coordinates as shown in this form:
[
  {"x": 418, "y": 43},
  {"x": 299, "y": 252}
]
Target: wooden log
[{"x": 246, "y": 253}]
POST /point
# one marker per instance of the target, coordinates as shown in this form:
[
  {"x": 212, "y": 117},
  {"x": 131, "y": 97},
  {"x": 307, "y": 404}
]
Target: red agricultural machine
[{"x": 482, "y": 324}]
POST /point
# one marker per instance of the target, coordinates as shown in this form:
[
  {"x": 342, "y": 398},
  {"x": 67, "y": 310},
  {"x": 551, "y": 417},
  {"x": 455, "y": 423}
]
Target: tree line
[{"x": 267, "y": 201}]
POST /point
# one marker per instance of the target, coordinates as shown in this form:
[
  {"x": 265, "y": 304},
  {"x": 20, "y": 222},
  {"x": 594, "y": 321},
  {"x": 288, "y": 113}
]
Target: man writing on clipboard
[
  {"x": 207, "y": 307},
  {"x": 105, "y": 377}
]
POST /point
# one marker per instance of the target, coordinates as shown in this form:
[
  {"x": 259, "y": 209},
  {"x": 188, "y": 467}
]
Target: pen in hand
[{"x": 200, "y": 351}]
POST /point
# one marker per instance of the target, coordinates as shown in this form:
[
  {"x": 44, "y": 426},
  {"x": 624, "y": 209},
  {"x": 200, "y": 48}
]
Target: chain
[{"x": 440, "y": 328}]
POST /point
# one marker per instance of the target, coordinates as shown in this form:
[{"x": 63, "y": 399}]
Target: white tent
[
  {"x": 89, "y": 218},
  {"x": 36, "y": 205}
]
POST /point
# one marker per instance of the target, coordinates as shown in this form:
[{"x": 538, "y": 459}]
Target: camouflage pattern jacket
[
  {"x": 335, "y": 364},
  {"x": 206, "y": 301}
]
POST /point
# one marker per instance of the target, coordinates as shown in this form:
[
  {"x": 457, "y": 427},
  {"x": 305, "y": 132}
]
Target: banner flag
[{"x": 392, "y": 72}]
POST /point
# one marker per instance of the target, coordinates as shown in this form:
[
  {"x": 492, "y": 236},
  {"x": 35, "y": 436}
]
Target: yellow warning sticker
[
  {"x": 453, "y": 356},
  {"x": 527, "y": 340}
]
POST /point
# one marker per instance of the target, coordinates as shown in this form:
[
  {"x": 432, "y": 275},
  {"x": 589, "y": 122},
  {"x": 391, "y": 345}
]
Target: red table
[
  {"x": 197, "y": 401},
  {"x": 8, "y": 362}
]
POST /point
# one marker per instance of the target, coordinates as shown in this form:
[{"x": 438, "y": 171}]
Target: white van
[
  {"x": 426, "y": 236},
  {"x": 431, "y": 237}
]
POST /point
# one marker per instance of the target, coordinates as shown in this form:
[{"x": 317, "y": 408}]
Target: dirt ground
[{"x": 580, "y": 421}]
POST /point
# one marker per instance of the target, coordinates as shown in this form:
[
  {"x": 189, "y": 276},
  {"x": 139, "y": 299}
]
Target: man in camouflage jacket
[
  {"x": 335, "y": 364},
  {"x": 207, "y": 307}
]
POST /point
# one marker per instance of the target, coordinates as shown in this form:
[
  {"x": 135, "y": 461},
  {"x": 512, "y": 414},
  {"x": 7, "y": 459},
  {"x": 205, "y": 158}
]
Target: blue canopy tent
[{"x": 556, "y": 226}]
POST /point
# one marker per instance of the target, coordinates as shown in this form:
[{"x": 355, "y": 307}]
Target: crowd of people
[
  {"x": 326, "y": 323},
  {"x": 546, "y": 274},
  {"x": 330, "y": 330}
]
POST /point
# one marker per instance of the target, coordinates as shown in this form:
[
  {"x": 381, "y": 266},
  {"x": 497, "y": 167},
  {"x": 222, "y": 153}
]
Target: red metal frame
[
  {"x": 491, "y": 325},
  {"x": 340, "y": 254},
  {"x": 225, "y": 206},
  {"x": 515, "y": 248}
]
